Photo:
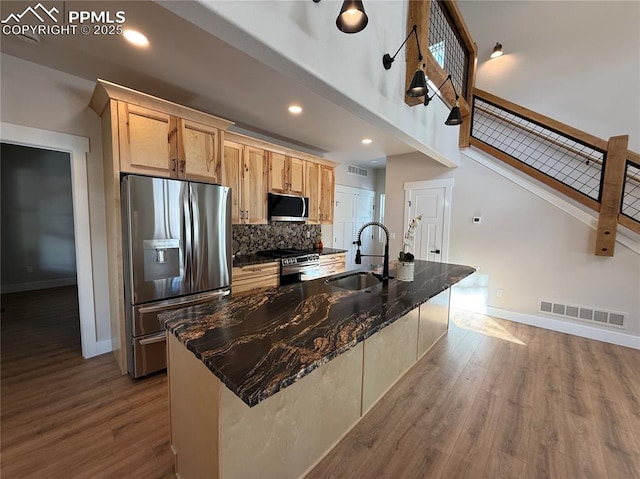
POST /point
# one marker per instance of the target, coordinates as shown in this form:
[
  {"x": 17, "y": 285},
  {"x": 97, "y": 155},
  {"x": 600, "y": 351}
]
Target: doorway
[
  {"x": 353, "y": 208},
  {"x": 432, "y": 200},
  {"x": 77, "y": 147}
]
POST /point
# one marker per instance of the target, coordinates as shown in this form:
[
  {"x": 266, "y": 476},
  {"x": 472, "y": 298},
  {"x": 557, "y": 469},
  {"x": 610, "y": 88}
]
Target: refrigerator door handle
[
  {"x": 187, "y": 234},
  {"x": 196, "y": 253}
]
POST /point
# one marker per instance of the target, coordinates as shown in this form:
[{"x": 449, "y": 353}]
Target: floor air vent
[
  {"x": 356, "y": 170},
  {"x": 594, "y": 315}
]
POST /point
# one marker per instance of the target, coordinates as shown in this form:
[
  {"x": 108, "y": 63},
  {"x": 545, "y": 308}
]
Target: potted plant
[{"x": 406, "y": 259}]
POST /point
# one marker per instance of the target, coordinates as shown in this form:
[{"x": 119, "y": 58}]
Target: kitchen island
[{"x": 264, "y": 385}]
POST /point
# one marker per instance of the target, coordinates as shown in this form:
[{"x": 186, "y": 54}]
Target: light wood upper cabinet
[
  {"x": 286, "y": 174},
  {"x": 232, "y": 176},
  {"x": 319, "y": 187},
  {"x": 327, "y": 188},
  {"x": 147, "y": 141},
  {"x": 158, "y": 144},
  {"x": 312, "y": 190},
  {"x": 296, "y": 176},
  {"x": 198, "y": 156},
  {"x": 244, "y": 169},
  {"x": 254, "y": 185}
]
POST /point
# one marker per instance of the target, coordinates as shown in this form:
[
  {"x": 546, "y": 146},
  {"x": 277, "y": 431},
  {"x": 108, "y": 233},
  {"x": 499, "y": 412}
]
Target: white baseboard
[
  {"x": 581, "y": 330},
  {"x": 34, "y": 285}
]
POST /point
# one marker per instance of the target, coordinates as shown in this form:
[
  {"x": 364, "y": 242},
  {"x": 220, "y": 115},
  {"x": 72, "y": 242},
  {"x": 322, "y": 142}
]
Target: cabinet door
[
  {"x": 327, "y": 186},
  {"x": 254, "y": 186},
  {"x": 199, "y": 157},
  {"x": 148, "y": 142},
  {"x": 312, "y": 190},
  {"x": 296, "y": 176},
  {"x": 278, "y": 181},
  {"x": 232, "y": 175}
]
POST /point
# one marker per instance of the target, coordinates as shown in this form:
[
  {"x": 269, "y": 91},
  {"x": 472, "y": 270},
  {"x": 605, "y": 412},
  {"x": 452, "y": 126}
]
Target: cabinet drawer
[
  {"x": 254, "y": 277},
  {"x": 332, "y": 264}
]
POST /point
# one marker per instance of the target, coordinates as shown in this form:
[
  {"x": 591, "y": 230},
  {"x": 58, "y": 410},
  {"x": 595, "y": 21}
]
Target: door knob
[{"x": 436, "y": 251}]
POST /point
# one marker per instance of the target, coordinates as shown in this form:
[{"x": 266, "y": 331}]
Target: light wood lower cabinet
[
  {"x": 332, "y": 264},
  {"x": 255, "y": 277}
]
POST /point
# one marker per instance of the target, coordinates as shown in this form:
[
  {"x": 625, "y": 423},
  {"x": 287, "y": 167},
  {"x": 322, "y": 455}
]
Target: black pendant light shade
[
  {"x": 455, "y": 116},
  {"x": 352, "y": 18},
  {"x": 418, "y": 85}
]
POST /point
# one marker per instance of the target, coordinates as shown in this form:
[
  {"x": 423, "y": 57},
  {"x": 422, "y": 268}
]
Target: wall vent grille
[
  {"x": 356, "y": 170},
  {"x": 593, "y": 315}
]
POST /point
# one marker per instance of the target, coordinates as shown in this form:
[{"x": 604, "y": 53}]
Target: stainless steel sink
[{"x": 354, "y": 281}]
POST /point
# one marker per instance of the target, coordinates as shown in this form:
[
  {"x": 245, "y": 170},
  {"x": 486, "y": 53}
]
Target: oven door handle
[{"x": 156, "y": 338}]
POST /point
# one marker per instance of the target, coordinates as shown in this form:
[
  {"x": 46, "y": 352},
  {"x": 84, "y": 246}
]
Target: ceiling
[{"x": 186, "y": 65}]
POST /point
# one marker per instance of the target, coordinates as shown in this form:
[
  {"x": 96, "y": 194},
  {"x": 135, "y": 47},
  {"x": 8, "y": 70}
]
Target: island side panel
[
  {"x": 434, "y": 321},
  {"x": 388, "y": 354},
  {"x": 285, "y": 435},
  {"x": 194, "y": 395}
]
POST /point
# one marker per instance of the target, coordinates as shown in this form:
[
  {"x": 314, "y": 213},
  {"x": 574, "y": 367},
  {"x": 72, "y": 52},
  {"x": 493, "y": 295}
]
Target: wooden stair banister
[{"x": 615, "y": 166}]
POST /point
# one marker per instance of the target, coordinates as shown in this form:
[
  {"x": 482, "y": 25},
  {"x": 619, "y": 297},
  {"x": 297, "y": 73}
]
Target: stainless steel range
[{"x": 295, "y": 265}]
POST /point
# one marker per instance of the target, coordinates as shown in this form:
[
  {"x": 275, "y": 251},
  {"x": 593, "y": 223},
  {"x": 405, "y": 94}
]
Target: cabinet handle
[
  {"x": 175, "y": 165},
  {"x": 182, "y": 163}
]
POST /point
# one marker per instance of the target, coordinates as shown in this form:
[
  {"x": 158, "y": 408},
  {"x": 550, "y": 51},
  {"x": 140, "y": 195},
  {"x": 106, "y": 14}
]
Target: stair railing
[{"x": 602, "y": 175}]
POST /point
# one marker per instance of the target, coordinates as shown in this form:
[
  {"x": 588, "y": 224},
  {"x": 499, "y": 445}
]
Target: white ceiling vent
[
  {"x": 356, "y": 170},
  {"x": 611, "y": 318}
]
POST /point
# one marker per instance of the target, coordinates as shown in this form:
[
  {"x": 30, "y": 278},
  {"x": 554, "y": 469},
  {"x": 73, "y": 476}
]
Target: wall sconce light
[
  {"x": 455, "y": 116},
  {"x": 352, "y": 18},
  {"x": 418, "y": 86},
  {"x": 497, "y": 51}
]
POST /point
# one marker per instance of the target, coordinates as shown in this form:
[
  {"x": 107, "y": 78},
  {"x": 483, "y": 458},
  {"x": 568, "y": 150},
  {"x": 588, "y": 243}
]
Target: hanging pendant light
[
  {"x": 352, "y": 18},
  {"x": 418, "y": 86},
  {"x": 455, "y": 116}
]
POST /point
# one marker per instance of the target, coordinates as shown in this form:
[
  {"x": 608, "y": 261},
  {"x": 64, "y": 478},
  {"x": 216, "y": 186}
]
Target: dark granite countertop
[
  {"x": 259, "y": 344},
  {"x": 249, "y": 259}
]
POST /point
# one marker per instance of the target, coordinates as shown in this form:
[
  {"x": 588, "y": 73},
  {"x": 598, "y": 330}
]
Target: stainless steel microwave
[{"x": 287, "y": 207}]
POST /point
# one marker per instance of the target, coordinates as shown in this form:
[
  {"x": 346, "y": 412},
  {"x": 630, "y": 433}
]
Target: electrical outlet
[
  {"x": 308, "y": 234},
  {"x": 392, "y": 235},
  {"x": 499, "y": 292}
]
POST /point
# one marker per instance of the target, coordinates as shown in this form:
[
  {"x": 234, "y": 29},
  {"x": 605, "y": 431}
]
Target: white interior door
[
  {"x": 353, "y": 208},
  {"x": 431, "y": 200}
]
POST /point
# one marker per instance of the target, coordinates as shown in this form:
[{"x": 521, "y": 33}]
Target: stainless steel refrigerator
[{"x": 177, "y": 253}]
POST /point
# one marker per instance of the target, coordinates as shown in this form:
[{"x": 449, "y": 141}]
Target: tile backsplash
[{"x": 249, "y": 239}]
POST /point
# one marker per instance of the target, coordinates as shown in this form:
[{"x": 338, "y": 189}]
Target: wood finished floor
[
  {"x": 493, "y": 399},
  {"x": 66, "y": 417}
]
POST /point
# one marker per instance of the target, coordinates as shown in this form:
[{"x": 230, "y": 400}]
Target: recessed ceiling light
[
  {"x": 367, "y": 141},
  {"x": 137, "y": 38},
  {"x": 295, "y": 109}
]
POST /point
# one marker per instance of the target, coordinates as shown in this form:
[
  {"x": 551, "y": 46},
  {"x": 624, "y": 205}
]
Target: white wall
[
  {"x": 47, "y": 99},
  {"x": 300, "y": 39},
  {"x": 575, "y": 61},
  {"x": 530, "y": 249}
]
